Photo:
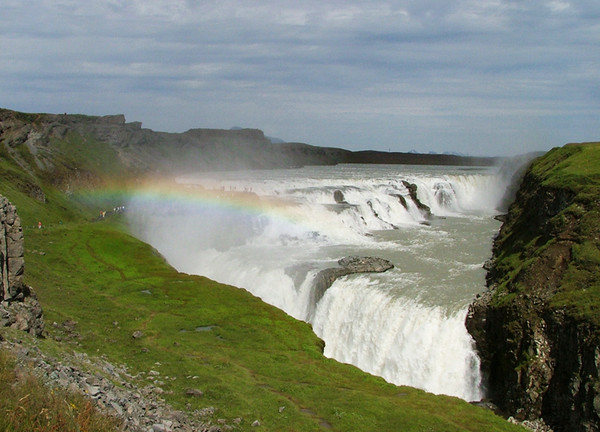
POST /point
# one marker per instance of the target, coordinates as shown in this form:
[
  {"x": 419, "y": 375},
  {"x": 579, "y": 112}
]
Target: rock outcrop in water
[
  {"x": 348, "y": 265},
  {"x": 338, "y": 197},
  {"x": 19, "y": 307},
  {"x": 537, "y": 329},
  {"x": 412, "y": 192}
]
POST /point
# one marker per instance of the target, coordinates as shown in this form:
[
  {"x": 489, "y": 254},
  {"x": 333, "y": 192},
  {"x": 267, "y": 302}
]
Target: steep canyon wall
[{"x": 537, "y": 328}]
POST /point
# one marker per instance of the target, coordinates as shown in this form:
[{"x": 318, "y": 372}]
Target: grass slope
[{"x": 248, "y": 357}]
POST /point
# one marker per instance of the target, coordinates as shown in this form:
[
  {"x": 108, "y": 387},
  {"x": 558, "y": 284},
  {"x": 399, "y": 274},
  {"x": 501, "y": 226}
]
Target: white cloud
[{"x": 559, "y": 6}]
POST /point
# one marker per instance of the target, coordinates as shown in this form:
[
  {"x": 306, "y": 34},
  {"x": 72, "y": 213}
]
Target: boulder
[
  {"x": 338, "y": 196},
  {"x": 194, "y": 393}
]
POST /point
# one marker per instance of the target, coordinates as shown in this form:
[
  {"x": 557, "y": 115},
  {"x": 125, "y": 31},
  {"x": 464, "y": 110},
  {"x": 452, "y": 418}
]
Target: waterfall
[{"x": 272, "y": 233}]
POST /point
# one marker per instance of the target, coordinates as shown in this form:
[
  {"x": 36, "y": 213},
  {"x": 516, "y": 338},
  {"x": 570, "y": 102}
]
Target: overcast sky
[{"x": 479, "y": 77}]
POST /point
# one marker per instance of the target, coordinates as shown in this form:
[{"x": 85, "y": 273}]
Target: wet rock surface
[
  {"x": 412, "y": 192},
  {"x": 338, "y": 197}
]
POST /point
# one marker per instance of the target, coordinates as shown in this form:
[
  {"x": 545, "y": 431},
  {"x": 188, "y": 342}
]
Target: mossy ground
[{"x": 249, "y": 358}]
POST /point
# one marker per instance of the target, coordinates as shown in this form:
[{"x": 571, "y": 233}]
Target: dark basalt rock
[
  {"x": 401, "y": 199},
  {"x": 412, "y": 192},
  {"x": 339, "y": 198}
]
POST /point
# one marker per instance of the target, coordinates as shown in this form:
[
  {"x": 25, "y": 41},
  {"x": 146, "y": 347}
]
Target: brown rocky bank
[{"x": 536, "y": 328}]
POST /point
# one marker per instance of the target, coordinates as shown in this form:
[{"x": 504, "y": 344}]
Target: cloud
[{"x": 430, "y": 74}]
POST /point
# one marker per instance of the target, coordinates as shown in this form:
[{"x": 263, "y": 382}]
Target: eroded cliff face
[
  {"x": 19, "y": 307},
  {"x": 69, "y": 150},
  {"x": 536, "y": 328}
]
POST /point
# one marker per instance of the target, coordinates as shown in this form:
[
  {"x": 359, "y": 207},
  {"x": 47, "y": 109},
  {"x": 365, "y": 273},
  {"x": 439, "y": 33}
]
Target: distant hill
[
  {"x": 376, "y": 157},
  {"x": 88, "y": 148}
]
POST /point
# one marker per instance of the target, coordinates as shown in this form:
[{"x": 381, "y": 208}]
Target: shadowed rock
[
  {"x": 536, "y": 330},
  {"x": 401, "y": 199}
]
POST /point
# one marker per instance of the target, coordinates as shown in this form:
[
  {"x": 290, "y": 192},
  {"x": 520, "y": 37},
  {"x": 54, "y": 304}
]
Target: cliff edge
[{"x": 537, "y": 328}]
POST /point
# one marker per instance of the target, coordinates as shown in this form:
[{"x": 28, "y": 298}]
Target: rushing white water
[{"x": 406, "y": 325}]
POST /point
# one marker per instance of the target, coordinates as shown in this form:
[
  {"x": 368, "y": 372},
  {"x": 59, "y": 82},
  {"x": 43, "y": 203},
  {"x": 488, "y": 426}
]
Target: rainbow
[{"x": 166, "y": 191}]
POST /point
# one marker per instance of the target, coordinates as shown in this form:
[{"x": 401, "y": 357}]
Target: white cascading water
[
  {"x": 406, "y": 325},
  {"x": 387, "y": 346}
]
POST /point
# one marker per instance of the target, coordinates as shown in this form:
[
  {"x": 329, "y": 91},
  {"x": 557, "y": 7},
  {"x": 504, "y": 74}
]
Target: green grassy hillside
[{"x": 248, "y": 358}]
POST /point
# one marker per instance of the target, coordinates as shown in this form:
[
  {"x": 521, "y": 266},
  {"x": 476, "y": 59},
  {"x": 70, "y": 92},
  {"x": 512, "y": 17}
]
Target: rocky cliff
[
  {"x": 537, "y": 328},
  {"x": 19, "y": 307},
  {"x": 73, "y": 150}
]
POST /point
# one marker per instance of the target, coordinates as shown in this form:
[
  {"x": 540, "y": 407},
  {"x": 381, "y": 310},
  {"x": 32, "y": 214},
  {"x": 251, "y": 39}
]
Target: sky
[{"x": 475, "y": 77}]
